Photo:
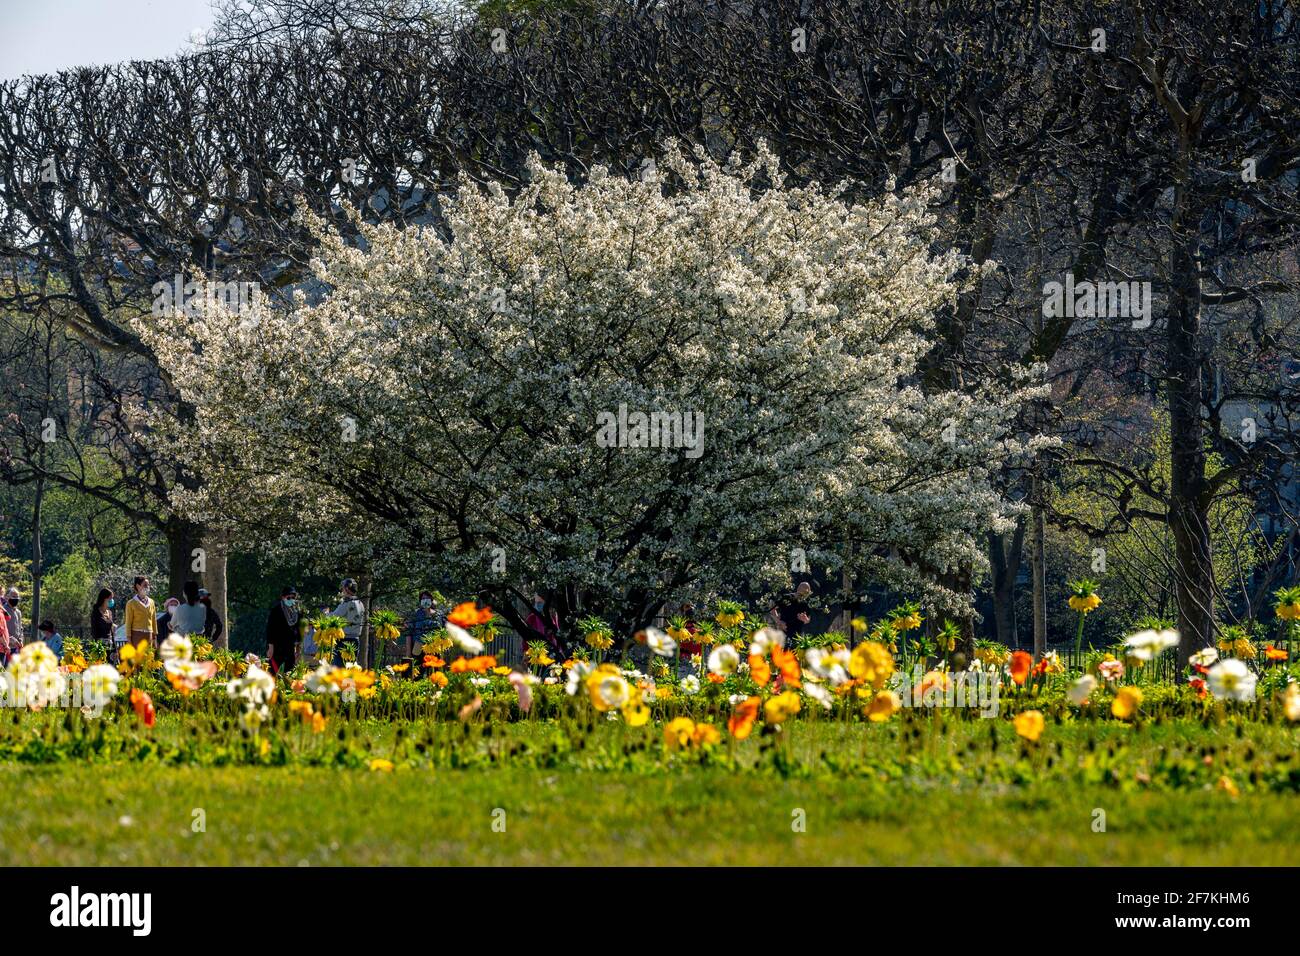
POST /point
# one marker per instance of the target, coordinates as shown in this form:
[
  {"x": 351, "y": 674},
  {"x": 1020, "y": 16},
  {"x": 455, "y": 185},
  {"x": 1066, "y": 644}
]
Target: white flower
[
  {"x": 1205, "y": 656},
  {"x": 818, "y": 693},
  {"x": 723, "y": 660},
  {"x": 764, "y": 639},
  {"x": 99, "y": 684},
  {"x": 690, "y": 685},
  {"x": 480, "y": 681},
  {"x": 255, "y": 687},
  {"x": 177, "y": 647},
  {"x": 832, "y": 666},
  {"x": 315, "y": 682},
  {"x": 660, "y": 642},
  {"x": 254, "y": 716},
  {"x": 1146, "y": 645},
  {"x": 463, "y": 639},
  {"x": 33, "y": 659},
  {"x": 1231, "y": 680},
  {"x": 578, "y": 676},
  {"x": 613, "y": 690},
  {"x": 1081, "y": 688}
]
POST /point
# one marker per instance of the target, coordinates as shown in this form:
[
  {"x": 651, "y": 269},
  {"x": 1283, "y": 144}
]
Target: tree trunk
[
  {"x": 215, "y": 581},
  {"x": 1039, "y": 567},
  {"x": 366, "y": 652},
  {"x": 183, "y": 537},
  {"x": 1189, "y": 493},
  {"x": 1005, "y": 556},
  {"x": 38, "y": 557}
]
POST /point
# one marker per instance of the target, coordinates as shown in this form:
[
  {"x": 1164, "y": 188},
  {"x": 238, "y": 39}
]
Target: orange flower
[
  {"x": 1198, "y": 685},
  {"x": 143, "y": 705},
  {"x": 1274, "y": 653},
  {"x": 439, "y": 678},
  {"x": 742, "y": 719},
  {"x": 715, "y": 678},
  {"x": 1020, "y": 665},
  {"x": 433, "y": 660},
  {"x": 468, "y": 615},
  {"x": 481, "y": 664},
  {"x": 788, "y": 664},
  {"x": 759, "y": 669}
]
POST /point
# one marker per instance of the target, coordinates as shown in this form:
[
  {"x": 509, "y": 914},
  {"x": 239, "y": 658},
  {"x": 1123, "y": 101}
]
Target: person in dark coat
[
  {"x": 282, "y": 632},
  {"x": 213, "y": 626}
]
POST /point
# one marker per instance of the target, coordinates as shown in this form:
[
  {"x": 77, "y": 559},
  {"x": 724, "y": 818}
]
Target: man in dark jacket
[
  {"x": 213, "y": 626},
  {"x": 282, "y": 632}
]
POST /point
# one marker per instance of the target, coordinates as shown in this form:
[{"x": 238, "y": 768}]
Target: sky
[{"x": 43, "y": 36}]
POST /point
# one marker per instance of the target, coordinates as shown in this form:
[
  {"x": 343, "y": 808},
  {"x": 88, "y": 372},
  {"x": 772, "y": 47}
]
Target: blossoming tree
[{"x": 614, "y": 391}]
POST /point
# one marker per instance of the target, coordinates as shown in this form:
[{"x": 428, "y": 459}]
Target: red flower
[
  {"x": 143, "y": 705},
  {"x": 1020, "y": 665}
]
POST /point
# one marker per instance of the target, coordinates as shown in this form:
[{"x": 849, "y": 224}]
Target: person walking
[
  {"x": 213, "y": 626},
  {"x": 544, "y": 627},
  {"x": 422, "y": 622},
  {"x": 141, "y": 620},
  {"x": 190, "y": 617},
  {"x": 353, "y": 611},
  {"x": 164, "y": 625},
  {"x": 792, "y": 613},
  {"x": 4, "y": 637},
  {"x": 52, "y": 638},
  {"x": 101, "y": 622},
  {"x": 14, "y": 615},
  {"x": 282, "y": 632}
]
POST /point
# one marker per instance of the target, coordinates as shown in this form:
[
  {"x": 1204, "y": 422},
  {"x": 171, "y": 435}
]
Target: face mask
[
  {"x": 539, "y": 605},
  {"x": 13, "y": 602},
  {"x": 289, "y": 602},
  {"x": 111, "y": 604},
  {"x": 426, "y": 602}
]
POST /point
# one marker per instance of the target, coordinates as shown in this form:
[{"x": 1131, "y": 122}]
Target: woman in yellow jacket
[{"x": 141, "y": 624}]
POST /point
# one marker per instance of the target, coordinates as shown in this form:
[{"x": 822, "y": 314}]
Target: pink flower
[{"x": 520, "y": 683}]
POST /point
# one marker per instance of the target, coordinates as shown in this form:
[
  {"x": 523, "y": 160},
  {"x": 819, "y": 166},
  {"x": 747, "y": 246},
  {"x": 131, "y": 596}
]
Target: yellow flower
[
  {"x": 301, "y": 708},
  {"x": 706, "y": 735},
  {"x": 1084, "y": 603},
  {"x": 679, "y": 732},
  {"x": 1127, "y": 701},
  {"x": 502, "y": 671},
  {"x": 872, "y": 663},
  {"x": 317, "y": 722},
  {"x": 1029, "y": 724},
  {"x": 779, "y": 709},
  {"x": 883, "y": 706},
  {"x": 859, "y": 624},
  {"x": 1291, "y": 703},
  {"x": 599, "y": 641},
  {"x": 379, "y": 763},
  {"x": 607, "y": 688},
  {"x": 635, "y": 712},
  {"x": 1225, "y": 784}
]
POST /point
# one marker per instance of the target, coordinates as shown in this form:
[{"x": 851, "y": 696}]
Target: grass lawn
[{"x": 915, "y": 811}]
